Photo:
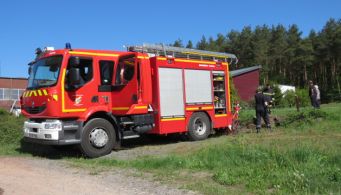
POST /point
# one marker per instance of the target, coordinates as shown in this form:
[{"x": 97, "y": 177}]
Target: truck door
[
  {"x": 76, "y": 98},
  {"x": 106, "y": 72},
  {"x": 125, "y": 84}
]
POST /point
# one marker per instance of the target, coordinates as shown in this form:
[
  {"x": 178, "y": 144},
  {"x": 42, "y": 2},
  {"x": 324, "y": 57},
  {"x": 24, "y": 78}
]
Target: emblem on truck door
[{"x": 78, "y": 100}]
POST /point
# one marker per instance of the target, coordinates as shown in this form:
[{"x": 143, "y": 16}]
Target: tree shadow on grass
[
  {"x": 152, "y": 140},
  {"x": 72, "y": 151},
  {"x": 49, "y": 152}
]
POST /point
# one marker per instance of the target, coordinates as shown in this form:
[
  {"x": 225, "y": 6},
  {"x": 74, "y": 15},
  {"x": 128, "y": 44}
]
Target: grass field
[{"x": 302, "y": 156}]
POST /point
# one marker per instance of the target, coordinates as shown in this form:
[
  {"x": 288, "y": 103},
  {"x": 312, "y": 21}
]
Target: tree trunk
[
  {"x": 338, "y": 87},
  {"x": 305, "y": 73}
]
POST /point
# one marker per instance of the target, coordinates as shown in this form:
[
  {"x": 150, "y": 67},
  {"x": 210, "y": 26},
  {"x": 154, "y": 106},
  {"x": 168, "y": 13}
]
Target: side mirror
[
  {"x": 54, "y": 68},
  {"x": 74, "y": 61},
  {"x": 74, "y": 76},
  {"x": 128, "y": 73},
  {"x": 29, "y": 70}
]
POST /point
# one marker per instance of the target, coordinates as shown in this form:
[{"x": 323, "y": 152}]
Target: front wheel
[
  {"x": 199, "y": 127},
  {"x": 98, "y": 138}
]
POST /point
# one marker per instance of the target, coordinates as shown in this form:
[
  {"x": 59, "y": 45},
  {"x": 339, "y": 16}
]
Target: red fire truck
[{"x": 96, "y": 98}]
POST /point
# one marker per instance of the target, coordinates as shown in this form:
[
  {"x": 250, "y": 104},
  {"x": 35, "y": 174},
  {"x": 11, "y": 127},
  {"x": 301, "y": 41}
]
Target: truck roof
[{"x": 85, "y": 52}]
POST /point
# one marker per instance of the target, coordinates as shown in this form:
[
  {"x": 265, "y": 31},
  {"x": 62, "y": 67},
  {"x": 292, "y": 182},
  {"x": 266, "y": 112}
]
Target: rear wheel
[
  {"x": 98, "y": 138},
  {"x": 199, "y": 127}
]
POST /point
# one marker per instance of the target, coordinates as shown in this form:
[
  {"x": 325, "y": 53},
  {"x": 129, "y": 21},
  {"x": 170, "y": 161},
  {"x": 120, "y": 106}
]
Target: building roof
[
  {"x": 14, "y": 78},
  {"x": 238, "y": 72}
]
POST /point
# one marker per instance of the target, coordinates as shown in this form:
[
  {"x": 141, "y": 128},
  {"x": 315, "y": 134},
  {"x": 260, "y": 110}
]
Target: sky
[{"x": 109, "y": 24}]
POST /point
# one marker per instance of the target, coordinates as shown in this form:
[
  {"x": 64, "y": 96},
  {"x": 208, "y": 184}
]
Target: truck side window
[
  {"x": 125, "y": 70},
  {"x": 86, "y": 71},
  {"x": 106, "y": 71}
]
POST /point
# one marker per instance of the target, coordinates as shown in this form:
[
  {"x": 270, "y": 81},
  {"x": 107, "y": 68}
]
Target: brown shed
[{"x": 246, "y": 81}]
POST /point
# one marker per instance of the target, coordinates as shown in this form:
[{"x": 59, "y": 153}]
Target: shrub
[
  {"x": 3, "y": 112},
  {"x": 289, "y": 99},
  {"x": 306, "y": 117},
  {"x": 303, "y": 96},
  {"x": 278, "y": 95},
  {"x": 10, "y": 128},
  {"x": 234, "y": 97}
]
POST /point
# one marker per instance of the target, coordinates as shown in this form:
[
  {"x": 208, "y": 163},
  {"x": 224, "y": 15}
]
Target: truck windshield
[{"x": 44, "y": 72}]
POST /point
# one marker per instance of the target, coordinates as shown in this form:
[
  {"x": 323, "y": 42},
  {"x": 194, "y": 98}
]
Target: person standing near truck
[
  {"x": 318, "y": 96},
  {"x": 268, "y": 97},
  {"x": 261, "y": 112},
  {"x": 312, "y": 94}
]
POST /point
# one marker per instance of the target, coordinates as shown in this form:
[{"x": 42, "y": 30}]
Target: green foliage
[
  {"x": 3, "y": 112},
  {"x": 189, "y": 44},
  {"x": 289, "y": 99},
  {"x": 303, "y": 96},
  {"x": 299, "y": 119},
  {"x": 234, "y": 97},
  {"x": 178, "y": 43},
  {"x": 10, "y": 129},
  {"x": 202, "y": 44},
  {"x": 278, "y": 95}
]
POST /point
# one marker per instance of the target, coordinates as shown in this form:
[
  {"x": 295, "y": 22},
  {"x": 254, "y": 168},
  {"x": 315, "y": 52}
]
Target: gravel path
[{"x": 20, "y": 175}]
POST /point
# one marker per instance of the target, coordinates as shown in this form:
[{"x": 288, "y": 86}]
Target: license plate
[{"x": 32, "y": 135}]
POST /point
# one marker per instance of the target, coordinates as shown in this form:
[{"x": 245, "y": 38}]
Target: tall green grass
[
  {"x": 301, "y": 157},
  {"x": 10, "y": 132},
  {"x": 284, "y": 165}
]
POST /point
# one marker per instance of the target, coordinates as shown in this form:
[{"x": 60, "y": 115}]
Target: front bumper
[{"x": 53, "y": 132}]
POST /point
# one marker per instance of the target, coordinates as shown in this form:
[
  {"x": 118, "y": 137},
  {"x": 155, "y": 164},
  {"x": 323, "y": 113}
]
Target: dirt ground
[
  {"x": 47, "y": 173},
  {"x": 23, "y": 175}
]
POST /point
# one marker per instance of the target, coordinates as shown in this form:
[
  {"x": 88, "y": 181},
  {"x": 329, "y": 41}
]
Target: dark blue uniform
[
  {"x": 268, "y": 95},
  {"x": 261, "y": 111}
]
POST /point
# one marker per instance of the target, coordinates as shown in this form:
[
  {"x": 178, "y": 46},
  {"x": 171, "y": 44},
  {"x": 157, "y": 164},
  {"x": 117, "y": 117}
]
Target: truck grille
[{"x": 34, "y": 110}]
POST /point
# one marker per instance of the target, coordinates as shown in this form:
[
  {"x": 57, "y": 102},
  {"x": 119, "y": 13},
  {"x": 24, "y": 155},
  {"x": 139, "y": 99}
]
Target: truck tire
[
  {"x": 98, "y": 138},
  {"x": 199, "y": 126}
]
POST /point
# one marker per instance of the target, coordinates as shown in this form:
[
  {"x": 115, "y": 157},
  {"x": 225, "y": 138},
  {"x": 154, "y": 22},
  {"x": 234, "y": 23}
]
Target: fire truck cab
[{"x": 96, "y": 98}]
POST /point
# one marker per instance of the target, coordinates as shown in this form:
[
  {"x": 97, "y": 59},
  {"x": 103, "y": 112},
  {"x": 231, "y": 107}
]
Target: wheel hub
[
  {"x": 200, "y": 127},
  {"x": 98, "y": 137}
]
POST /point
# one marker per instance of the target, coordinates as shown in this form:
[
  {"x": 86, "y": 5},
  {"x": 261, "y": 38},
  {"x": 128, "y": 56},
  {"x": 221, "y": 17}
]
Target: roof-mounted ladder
[{"x": 178, "y": 52}]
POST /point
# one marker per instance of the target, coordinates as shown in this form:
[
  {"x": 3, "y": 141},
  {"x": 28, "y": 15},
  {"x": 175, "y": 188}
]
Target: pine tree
[
  {"x": 278, "y": 45},
  {"x": 202, "y": 44},
  {"x": 293, "y": 68},
  {"x": 286, "y": 57},
  {"x": 261, "y": 46},
  {"x": 178, "y": 43},
  {"x": 244, "y": 47},
  {"x": 189, "y": 44}
]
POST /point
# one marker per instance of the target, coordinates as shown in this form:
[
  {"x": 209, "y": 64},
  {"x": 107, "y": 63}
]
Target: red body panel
[
  {"x": 136, "y": 97},
  {"x": 166, "y": 126}
]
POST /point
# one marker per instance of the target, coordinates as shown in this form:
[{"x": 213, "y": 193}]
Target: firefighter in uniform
[
  {"x": 261, "y": 110},
  {"x": 268, "y": 95}
]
